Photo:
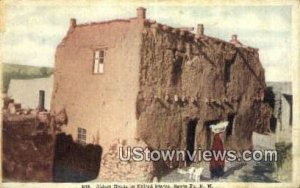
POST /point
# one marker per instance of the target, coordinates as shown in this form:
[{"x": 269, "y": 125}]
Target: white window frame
[{"x": 99, "y": 59}]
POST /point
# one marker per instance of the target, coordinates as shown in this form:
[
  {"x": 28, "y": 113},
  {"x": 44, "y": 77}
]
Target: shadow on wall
[
  {"x": 74, "y": 162},
  {"x": 270, "y": 99}
]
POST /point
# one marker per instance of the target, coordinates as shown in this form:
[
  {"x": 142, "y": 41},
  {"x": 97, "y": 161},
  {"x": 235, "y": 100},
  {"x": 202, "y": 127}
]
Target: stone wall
[
  {"x": 113, "y": 169},
  {"x": 186, "y": 79}
]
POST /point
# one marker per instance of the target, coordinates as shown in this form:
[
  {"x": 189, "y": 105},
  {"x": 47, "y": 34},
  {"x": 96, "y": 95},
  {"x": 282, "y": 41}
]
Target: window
[
  {"x": 227, "y": 71},
  {"x": 81, "y": 135},
  {"x": 99, "y": 61}
]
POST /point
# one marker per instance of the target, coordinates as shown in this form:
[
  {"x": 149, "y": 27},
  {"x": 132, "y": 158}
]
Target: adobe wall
[
  {"x": 104, "y": 104},
  {"x": 182, "y": 78}
]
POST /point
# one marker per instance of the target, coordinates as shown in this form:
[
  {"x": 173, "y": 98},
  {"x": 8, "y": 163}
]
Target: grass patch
[{"x": 15, "y": 71}]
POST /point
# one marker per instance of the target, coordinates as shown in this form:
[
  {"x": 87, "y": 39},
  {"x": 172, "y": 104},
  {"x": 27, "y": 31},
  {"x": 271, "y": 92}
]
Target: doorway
[
  {"x": 191, "y": 131},
  {"x": 229, "y": 128}
]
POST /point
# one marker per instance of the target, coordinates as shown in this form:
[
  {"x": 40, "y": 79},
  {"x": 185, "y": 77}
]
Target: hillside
[{"x": 15, "y": 71}]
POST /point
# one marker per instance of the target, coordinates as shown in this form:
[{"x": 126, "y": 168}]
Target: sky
[{"x": 33, "y": 31}]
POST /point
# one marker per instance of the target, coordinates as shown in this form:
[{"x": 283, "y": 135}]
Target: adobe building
[
  {"x": 281, "y": 99},
  {"x": 136, "y": 79},
  {"x": 27, "y": 91}
]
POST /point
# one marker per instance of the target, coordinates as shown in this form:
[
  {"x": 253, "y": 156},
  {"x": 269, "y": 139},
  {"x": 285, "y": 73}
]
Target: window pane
[
  {"x": 96, "y": 66},
  {"x": 101, "y": 53},
  {"x": 97, "y": 53},
  {"x": 81, "y": 137},
  {"x": 101, "y": 67}
]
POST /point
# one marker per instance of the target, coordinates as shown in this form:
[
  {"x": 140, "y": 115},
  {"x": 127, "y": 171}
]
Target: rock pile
[{"x": 112, "y": 168}]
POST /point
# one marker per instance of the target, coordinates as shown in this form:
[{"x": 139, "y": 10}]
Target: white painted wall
[{"x": 26, "y": 91}]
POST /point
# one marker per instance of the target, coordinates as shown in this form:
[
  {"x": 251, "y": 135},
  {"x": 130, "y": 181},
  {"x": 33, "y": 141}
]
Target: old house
[
  {"x": 134, "y": 78},
  {"x": 282, "y": 103},
  {"x": 279, "y": 96},
  {"x": 28, "y": 91}
]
